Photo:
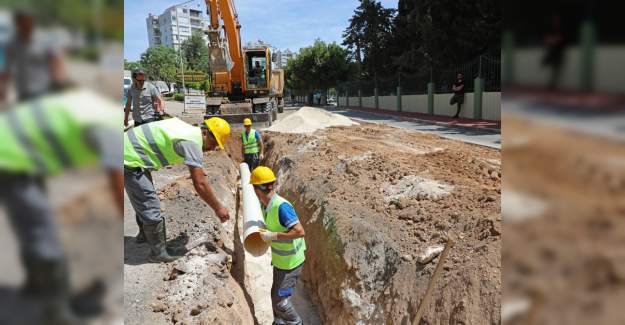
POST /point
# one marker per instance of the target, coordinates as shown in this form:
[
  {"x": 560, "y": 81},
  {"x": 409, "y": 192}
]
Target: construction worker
[
  {"x": 285, "y": 234},
  {"x": 252, "y": 144},
  {"x": 158, "y": 144},
  {"x": 40, "y": 138}
]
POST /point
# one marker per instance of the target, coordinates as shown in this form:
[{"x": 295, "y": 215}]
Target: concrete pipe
[{"x": 252, "y": 216}]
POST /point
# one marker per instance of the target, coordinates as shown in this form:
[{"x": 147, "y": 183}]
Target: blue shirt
[{"x": 287, "y": 216}]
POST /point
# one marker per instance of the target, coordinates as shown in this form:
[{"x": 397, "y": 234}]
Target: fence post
[
  {"x": 375, "y": 94},
  {"x": 359, "y": 98},
  {"x": 508, "y": 56},
  {"x": 347, "y": 97},
  {"x": 399, "y": 108},
  {"x": 399, "y": 98},
  {"x": 477, "y": 98},
  {"x": 587, "y": 42},
  {"x": 431, "y": 98}
]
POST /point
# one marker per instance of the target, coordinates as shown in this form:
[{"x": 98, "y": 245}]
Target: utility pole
[{"x": 180, "y": 43}]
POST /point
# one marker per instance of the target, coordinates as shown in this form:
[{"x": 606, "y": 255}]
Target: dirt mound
[
  {"x": 374, "y": 215},
  {"x": 310, "y": 119}
]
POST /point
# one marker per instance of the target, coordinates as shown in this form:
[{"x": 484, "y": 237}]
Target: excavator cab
[{"x": 257, "y": 72}]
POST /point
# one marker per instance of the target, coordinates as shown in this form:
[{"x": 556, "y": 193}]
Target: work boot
[
  {"x": 47, "y": 281},
  {"x": 157, "y": 239},
  {"x": 140, "y": 237}
]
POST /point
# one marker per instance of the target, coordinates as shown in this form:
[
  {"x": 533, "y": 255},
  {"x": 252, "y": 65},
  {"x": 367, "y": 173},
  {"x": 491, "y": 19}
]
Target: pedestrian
[
  {"x": 44, "y": 137},
  {"x": 36, "y": 66},
  {"x": 555, "y": 46},
  {"x": 155, "y": 145},
  {"x": 145, "y": 98},
  {"x": 458, "y": 97},
  {"x": 285, "y": 234},
  {"x": 252, "y": 144}
]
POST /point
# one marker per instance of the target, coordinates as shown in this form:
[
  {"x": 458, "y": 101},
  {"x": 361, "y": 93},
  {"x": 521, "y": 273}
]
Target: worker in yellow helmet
[
  {"x": 285, "y": 234},
  {"x": 253, "y": 149},
  {"x": 155, "y": 145}
]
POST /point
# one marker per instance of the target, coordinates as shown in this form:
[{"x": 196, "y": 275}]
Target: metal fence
[{"x": 485, "y": 67}]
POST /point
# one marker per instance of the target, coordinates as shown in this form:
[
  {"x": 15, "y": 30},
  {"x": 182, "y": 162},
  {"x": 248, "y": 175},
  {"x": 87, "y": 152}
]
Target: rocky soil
[
  {"x": 372, "y": 199},
  {"x": 564, "y": 220}
]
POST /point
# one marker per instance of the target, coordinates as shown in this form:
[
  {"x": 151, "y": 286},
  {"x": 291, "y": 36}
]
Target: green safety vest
[
  {"x": 286, "y": 254},
  {"x": 249, "y": 143},
  {"x": 151, "y": 145},
  {"x": 43, "y": 137}
]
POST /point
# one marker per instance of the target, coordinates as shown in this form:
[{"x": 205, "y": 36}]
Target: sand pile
[{"x": 310, "y": 119}]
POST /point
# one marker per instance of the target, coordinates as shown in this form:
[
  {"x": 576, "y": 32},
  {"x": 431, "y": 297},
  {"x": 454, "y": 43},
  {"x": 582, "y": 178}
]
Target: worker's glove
[{"x": 267, "y": 236}]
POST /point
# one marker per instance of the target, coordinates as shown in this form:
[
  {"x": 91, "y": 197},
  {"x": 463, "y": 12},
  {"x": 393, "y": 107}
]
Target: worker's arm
[
  {"x": 127, "y": 108},
  {"x": 262, "y": 147},
  {"x": 296, "y": 231},
  {"x": 288, "y": 219},
  {"x": 158, "y": 102},
  {"x": 57, "y": 70},
  {"x": 116, "y": 184},
  {"x": 205, "y": 191}
]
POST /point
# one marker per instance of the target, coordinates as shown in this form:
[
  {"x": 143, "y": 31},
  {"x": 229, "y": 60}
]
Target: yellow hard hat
[
  {"x": 262, "y": 175},
  {"x": 247, "y": 122},
  {"x": 220, "y": 129}
]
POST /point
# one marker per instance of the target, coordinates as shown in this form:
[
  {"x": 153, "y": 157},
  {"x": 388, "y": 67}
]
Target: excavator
[{"x": 242, "y": 80}]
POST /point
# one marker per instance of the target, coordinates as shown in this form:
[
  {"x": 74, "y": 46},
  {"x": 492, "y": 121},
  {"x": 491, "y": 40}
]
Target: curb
[{"x": 404, "y": 118}]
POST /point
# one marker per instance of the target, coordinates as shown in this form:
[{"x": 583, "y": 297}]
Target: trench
[{"x": 254, "y": 274}]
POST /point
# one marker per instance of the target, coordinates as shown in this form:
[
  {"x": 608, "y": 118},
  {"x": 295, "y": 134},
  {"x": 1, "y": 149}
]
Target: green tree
[
  {"x": 444, "y": 32},
  {"x": 130, "y": 65},
  {"x": 160, "y": 63},
  {"x": 318, "y": 67},
  {"x": 195, "y": 53},
  {"x": 368, "y": 35}
]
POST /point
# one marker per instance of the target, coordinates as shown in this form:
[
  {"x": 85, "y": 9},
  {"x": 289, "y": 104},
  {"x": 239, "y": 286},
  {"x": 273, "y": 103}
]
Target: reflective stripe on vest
[
  {"x": 151, "y": 146},
  {"x": 249, "y": 143},
  {"x": 42, "y": 137},
  {"x": 286, "y": 254},
  {"x": 138, "y": 148}
]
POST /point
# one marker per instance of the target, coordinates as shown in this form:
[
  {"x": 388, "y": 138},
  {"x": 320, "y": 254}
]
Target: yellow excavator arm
[{"x": 226, "y": 58}]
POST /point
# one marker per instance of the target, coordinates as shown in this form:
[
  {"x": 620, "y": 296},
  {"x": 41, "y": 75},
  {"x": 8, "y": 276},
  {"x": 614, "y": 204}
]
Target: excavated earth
[
  {"x": 199, "y": 288},
  {"x": 372, "y": 200},
  {"x": 564, "y": 220}
]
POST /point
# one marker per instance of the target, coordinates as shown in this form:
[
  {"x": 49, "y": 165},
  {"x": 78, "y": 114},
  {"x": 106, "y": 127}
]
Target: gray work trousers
[
  {"x": 284, "y": 282},
  {"x": 142, "y": 195},
  {"x": 31, "y": 216}
]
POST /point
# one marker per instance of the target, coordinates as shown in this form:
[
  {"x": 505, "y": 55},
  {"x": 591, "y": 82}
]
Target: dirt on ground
[
  {"x": 564, "y": 217},
  {"x": 199, "y": 287},
  {"x": 373, "y": 200}
]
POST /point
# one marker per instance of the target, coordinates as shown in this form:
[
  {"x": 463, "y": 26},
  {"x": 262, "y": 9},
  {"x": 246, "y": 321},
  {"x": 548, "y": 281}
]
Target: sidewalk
[{"x": 494, "y": 126}]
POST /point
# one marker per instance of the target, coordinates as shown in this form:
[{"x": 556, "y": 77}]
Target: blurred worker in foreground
[
  {"x": 252, "y": 145},
  {"x": 285, "y": 234},
  {"x": 41, "y": 138},
  {"x": 145, "y": 98},
  {"x": 154, "y": 146}
]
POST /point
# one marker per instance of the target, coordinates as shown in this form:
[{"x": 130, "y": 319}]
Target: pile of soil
[
  {"x": 308, "y": 120},
  {"x": 564, "y": 261},
  {"x": 372, "y": 199}
]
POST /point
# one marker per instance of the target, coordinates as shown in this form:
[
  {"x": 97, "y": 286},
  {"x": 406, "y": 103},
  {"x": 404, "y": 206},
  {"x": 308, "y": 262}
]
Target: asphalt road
[
  {"x": 607, "y": 124},
  {"x": 480, "y": 137}
]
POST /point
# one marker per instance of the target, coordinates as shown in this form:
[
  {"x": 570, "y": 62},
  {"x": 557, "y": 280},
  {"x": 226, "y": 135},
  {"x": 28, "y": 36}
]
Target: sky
[{"x": 291, "y": 24}]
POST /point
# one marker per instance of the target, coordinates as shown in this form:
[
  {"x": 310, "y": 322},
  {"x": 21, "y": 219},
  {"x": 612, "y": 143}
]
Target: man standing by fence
[{"x": 458, "y": 97}]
